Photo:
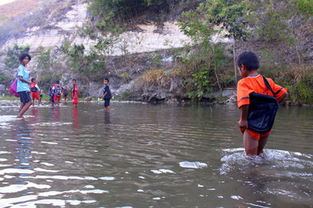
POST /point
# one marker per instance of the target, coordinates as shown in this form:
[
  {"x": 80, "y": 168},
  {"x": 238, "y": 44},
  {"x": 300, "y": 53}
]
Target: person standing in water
[
  {"x": 35, "y": 91},
  {"x": 74, "y": 94},
  {"x": 23, "y": 83},
  {"x": 57, "y": 90},
  {"x": 107, "y": 95},
  {"x": 65, "y": 94},
  {"x": 254, "y": 86},
  {"x": 51, "y": 94}
]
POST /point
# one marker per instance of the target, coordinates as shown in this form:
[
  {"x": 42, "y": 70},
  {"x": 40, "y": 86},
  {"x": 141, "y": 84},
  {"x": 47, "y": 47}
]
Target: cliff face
[
  {"x": 56, "y": 28},
  {"x": 60, "y": 20}
]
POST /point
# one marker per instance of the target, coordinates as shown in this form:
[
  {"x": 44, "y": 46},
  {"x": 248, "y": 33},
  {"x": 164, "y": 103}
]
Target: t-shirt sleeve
[
  {"x": 243, "y": 94},
  {"x": 279, "y": 90},
  {"x": 20, "y": 71}
]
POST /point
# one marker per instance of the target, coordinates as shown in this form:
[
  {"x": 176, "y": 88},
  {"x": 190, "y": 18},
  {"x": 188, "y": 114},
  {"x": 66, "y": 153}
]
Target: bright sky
[{"x": 2, "y": 2}]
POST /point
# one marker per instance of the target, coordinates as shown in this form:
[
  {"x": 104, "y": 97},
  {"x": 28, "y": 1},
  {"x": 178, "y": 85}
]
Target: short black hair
[
  {"x": 249, "y": 59},
  {"x": 74, "y": 80},
  {"x": 106, "y": 79},
  {"x": 24, "y": 55},
  {"x": 58, "y": 81},
  {"x": 33, "y": 79}
]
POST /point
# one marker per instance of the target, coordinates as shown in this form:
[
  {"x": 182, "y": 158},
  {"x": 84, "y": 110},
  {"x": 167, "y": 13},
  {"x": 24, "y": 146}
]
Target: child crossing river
[{"x": 258, "y": 99}]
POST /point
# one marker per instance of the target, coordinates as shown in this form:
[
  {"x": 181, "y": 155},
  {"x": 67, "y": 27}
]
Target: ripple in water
[{"x": 284, "y": 174}]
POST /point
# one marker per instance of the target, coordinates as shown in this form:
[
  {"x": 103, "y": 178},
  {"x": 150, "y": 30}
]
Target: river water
[{"x": 141, "y": 155}]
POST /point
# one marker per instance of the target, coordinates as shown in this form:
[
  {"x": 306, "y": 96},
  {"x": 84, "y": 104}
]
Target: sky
[{"x": 2, "y": 2}]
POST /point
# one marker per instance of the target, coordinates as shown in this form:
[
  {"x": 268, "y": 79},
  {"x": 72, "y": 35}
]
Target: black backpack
[{"x": 262, "y": 111}]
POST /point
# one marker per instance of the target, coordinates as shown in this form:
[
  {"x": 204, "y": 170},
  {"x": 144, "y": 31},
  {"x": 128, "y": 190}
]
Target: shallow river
[{"x": 150, "y": 156}]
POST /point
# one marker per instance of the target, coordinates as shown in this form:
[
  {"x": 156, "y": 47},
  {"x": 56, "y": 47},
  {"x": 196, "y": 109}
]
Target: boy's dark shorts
[
  {"x": 106, "y": 102},
  {"x": 24, "y": 96}
]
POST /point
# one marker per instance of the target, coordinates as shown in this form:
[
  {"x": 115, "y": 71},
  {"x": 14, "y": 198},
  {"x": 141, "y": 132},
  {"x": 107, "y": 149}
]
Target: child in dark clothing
[{"x": 107, "y": 95}]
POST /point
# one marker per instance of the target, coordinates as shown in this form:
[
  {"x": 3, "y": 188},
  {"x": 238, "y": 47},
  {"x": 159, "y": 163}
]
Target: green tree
[
  {"x": 90, "y": 63},
  {"x": 217, "y": 17},
  {"x": 11, "y": 60},
  {"x": 3, "y": 78},
  {"x": 305, "y": 7},
  {"x": 45, "y": 65}
]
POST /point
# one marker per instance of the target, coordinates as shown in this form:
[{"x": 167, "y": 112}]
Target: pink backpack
[{"x": 13, "y": 88}]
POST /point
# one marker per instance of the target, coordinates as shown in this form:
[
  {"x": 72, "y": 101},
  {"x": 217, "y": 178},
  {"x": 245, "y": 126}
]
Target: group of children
[
  {"x": 56, "y": 92},
  {"x": 257, "y": 98},
  {"x": 29, "y": 91}
]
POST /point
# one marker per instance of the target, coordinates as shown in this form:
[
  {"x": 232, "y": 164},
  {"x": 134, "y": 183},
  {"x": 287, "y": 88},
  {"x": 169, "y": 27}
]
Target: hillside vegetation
[{"x": 279, "y": 31}]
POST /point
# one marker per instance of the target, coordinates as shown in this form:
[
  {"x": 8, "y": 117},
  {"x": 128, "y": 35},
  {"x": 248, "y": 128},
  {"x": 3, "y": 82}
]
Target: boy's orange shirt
[{"x": 256, "y": 84}]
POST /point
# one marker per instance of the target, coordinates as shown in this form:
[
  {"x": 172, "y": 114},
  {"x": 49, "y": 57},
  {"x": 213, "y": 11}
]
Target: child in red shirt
[
  {"x": 74, "y": 94},
  {"x": 251, "y": 81},
  {"x": 34, "y": 91}
]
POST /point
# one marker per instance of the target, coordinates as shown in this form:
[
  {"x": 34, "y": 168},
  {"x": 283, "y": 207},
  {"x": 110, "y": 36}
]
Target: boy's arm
[
  {"x": 281, "y": 93},
  {"x": 243, "y": 122},
  {"x": 23, "y": 80},
  {"x": 282, "y": 98}
]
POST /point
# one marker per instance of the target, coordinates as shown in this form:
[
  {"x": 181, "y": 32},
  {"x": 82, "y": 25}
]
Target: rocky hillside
[
  {"x": 151, "y": 60},
  {"x": 62, "y": 20}
]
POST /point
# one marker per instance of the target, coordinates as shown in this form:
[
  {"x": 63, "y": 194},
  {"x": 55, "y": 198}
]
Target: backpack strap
[{"x": 269, "y": 86}]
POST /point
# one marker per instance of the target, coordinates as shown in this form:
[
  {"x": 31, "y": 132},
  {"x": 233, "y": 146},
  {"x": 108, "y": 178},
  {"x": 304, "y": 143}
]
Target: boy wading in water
[
  {"x": 106, "y": 94},
  {"x": 252, "y": 90},
  {"x": 23, "y": 83}
]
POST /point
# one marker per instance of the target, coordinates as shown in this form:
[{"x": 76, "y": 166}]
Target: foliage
[
  {"x": 3, "y": 77},
  {"x": 44, "y": 60},
  {"x": 297, "y": 78},
  {"x": 11, "y": 60},
  {"x": 46, "y": 68},
  {"x": 305, "y": 7},
  {"x": 156, "y": 59},
  {"x": 89, "y": 63},
  {"x": 202, "y": 70},
  {"x": 125, "y": 76},
  {"x": 121, "y": 10}
]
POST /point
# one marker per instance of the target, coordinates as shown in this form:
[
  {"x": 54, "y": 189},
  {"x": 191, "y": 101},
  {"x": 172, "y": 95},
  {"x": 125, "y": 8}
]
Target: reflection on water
[
  {"x": 23, "y": 156},
  {"x": 150, "y": 156}
]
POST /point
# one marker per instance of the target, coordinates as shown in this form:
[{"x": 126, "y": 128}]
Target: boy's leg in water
[
  {"x": 250, "y": 144},
  {"x": 24, "y": 109},
  {"x": 262, "y": 144}
]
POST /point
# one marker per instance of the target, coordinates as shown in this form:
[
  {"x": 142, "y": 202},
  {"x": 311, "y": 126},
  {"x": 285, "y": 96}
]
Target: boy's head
[
  {"x": 73, "y": 81},
  {"x": 25, "y": 58},
  {"x": 33, "y": 80},
  {"x": 247, "y": 62},
  {"x": 57, "y": 82},
  {"x": 106, "y": 81}
]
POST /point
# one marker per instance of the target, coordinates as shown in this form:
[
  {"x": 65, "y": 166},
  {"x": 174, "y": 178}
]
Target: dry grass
[{"x": 156, "y": 77}]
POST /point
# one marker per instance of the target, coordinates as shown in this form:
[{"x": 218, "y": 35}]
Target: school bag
[
  {"x": 262, "y": 110},
  {"x": 13, "y": 88},
  {"x": 58, "y": 90}
]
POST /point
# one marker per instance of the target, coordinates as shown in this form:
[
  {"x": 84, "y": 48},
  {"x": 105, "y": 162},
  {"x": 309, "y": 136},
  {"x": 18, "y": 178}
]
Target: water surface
[{"x": 141, "y": 155}]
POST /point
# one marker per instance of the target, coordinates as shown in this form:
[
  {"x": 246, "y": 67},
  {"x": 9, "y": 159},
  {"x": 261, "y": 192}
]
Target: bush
[
  {"x": 11, "y": 60},
  {"x": 3, "y": 78}
]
